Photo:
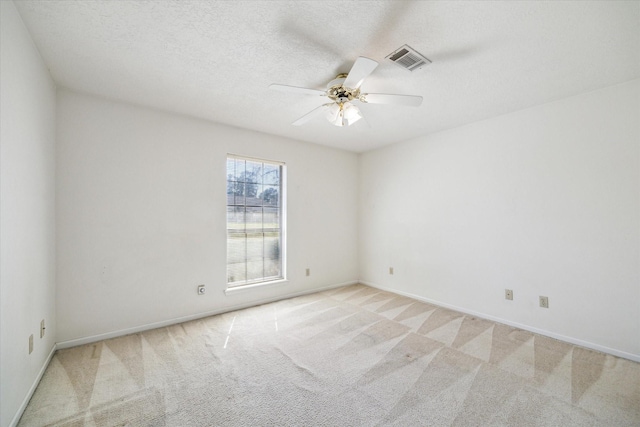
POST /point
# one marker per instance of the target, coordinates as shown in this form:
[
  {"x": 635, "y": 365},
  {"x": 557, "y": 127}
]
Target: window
[{"x": 254, "y": 221}]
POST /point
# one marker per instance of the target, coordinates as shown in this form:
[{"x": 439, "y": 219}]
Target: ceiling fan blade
[
  {"x": 310, "y": 115},
  {"x": 359, "y": 71},
  {"x": 392, "y": 99},
  {"x": 295, "y": 89}
]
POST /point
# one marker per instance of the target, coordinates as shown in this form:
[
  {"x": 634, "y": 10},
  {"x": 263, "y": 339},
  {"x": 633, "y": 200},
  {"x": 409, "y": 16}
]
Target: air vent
[{"x": 408, "y": 58}]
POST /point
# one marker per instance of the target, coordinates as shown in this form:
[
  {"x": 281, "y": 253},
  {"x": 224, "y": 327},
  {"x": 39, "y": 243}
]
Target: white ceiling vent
[{"x": 408, "y": 58}]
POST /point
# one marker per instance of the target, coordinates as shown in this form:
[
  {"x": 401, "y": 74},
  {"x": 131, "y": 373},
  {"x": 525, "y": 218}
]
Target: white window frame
[{"x": 281, "y": 278}]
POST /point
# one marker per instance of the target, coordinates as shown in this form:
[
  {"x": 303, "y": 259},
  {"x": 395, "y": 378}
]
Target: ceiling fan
[{"x": 345, "y": 89}]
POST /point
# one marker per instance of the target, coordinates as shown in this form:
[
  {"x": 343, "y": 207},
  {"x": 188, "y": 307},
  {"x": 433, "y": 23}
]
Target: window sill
[{"x": 243, "y": 288}]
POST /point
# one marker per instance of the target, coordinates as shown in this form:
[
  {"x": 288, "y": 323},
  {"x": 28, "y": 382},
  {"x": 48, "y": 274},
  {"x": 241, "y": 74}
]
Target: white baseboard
[
  {"x": 32, "y": 390},
  {"x": 122, "y": 332},
  {"x": 570, "y": 340},
  {"x": 168, "y": 322}
]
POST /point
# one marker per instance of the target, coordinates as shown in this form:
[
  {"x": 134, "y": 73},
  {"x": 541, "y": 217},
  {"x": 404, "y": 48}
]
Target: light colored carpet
[{"x": 353, "y": 356}]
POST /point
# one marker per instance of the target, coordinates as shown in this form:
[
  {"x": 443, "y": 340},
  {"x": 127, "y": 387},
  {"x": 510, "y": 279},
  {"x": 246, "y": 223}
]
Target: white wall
[
  {"x": 141, "y": 215},
  {"x": 27, "y": 209},
  {"x": 544, "y": 201}
]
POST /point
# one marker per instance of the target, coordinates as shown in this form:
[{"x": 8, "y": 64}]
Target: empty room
[{"x": 319, "y": 213}]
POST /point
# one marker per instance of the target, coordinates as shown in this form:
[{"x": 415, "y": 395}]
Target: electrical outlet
[
  {"x": 308, "y": 272},
  {"x": 201, "y": 290},
  {"x": 544, "y": 302},
  {"x": 508, "y": 294},
  {"x": 391, "y": 270},
  {"x": 42, "y": 328},
  {"x": 30, "y": 343}
]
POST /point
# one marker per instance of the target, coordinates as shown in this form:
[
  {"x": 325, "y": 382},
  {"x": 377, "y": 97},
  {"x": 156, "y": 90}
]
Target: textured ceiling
[{"x": 216, "y": 59}]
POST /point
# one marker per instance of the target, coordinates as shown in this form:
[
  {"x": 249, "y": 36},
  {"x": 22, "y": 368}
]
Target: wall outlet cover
[{"x": 544, "y": 302}]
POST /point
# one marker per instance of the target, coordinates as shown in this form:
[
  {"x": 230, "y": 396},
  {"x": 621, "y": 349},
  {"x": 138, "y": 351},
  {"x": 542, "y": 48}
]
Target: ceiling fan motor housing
[{"x": 339, "y": 93}]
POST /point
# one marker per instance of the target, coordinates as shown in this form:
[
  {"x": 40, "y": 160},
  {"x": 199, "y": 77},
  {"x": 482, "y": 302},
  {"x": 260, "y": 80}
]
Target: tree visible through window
[{"x": 254, "y": 221}]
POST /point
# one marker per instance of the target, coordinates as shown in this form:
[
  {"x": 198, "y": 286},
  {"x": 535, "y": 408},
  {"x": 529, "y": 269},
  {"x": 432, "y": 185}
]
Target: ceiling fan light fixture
[
  {"x": 338, "y": 121},
  {"x": 334, "y": 114},
  {"x": 351, "y": 113},
  {"x": 343, "y": 114}
]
